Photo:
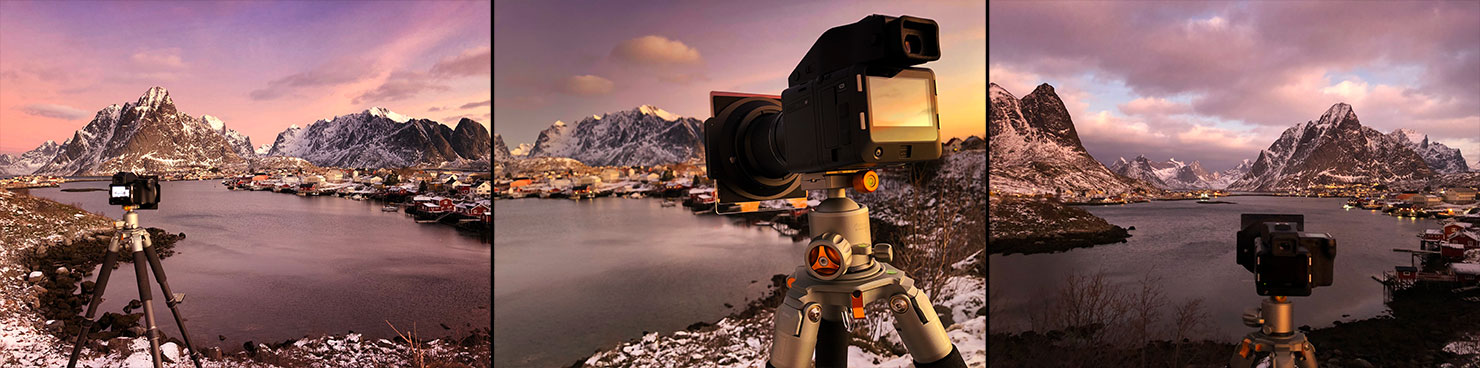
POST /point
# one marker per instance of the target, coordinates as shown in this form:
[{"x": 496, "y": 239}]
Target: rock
[
  {"x": 214, "y": 353},
  {"x": 221, "y": 337},
  {"x": 120, "y": 346},
  {"x": 1359, "y": 362},
  {"x": 1131, "y": 228},
  {"x": 35, "y": 276},
  {"x": 945, "y": 314},
  {"x": 444, "y": 326},
  {"x": 171, "y": 351},
  {"x": 250, "y": 348},
  {"x": 727, "y": 305}
]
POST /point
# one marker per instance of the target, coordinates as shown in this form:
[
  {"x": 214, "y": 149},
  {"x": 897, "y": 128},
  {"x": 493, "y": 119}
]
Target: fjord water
[
  {"x": 269, "y": 267},
  {"x": 1190, "y": 246},
  {"x": 574, "y": 276}
]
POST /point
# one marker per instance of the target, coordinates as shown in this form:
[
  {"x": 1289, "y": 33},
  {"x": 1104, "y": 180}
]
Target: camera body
[
  {"x": 1285, "y": 260},
  {"x": 854, "y": 102},
  {"x": 128, "y": 189}
]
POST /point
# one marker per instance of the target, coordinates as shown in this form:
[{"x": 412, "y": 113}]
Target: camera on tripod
[
  {"x": 854, "y": 102},
  {"x": 139, "y": 191},
  {"x": 1285, "y": 260}
]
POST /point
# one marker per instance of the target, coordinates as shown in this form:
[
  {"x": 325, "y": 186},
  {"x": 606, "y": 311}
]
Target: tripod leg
[
  {"x": 146, "y": 296},
  {"x": 832, "y": 339},
  {"x": 795, "y": 336},
  {"x": 921, "y": 331},
  {"x": 109, "y": 260},
  {"x": 170, "y": 299}
]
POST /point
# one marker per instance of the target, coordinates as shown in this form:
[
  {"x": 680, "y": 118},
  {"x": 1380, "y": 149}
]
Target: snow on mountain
[
  {"x": 1442, "y": 159},
  {"x": 1332, "y": 150},
  {"x": 27, "y": 162},
  {"x": 388, "y": 114},
  {"x": 148, "y": 135},
  {"x": 645, "y": 135},
  {"x": 241, "y": 143},
  {"x": 1173, "y": 174},
  {"x": 1035, "y": 148},
  {"x": 263, "y": 149},
  {"x": 378, "y": 137}
]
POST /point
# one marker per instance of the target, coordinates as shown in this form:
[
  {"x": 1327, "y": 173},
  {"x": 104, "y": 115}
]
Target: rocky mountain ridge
[
  {"x": 1173, "y": 174},
  {"x": 1334, "y": 149},
  {"x": 378, "y": 137},
  {"x": 147, "y": 135},
  {"x": 1035, "y": 149},
  {"x": 645, "y": 135},
  {"x": 1442, "y": 159}
]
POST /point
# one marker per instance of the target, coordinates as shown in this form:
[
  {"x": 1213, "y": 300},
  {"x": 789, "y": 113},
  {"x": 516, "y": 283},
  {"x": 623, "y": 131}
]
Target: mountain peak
[
  {"x": 386, "y": 113},
  {"x": 155, "y": 96},
  {"x": 1043, "y": 88},
  {"x": 655, "y": 111}
]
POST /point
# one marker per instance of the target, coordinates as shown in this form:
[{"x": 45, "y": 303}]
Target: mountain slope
[
  {"x": 1036, "y": 150},
  {"x": 645, "y": 135},
  {"x": 149, "y": 135},
  {"x": 241, "y": 143},
  {"x": 27, "y": 162},
  {"x": 500, "y": 151},
  {"x": 378, "y": 138},
  {"x": 1440, "y": 158},
  {"x": 1332, "y": 150}
]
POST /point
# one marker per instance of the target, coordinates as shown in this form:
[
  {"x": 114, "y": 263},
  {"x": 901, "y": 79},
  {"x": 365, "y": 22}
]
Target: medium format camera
[
  {"x": 1285, "y": 260},
  {"x": 128, "y": 189},
  {"x": 854, "y": 102}
]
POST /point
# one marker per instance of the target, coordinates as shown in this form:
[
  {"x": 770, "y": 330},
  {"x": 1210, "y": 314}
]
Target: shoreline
[{"x": 40, "y": 310}]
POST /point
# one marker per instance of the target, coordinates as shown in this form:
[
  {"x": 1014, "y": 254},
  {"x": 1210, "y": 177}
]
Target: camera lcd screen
[
  {"x": 119, "y": 191},
  {"x": 900, "y": 102}
]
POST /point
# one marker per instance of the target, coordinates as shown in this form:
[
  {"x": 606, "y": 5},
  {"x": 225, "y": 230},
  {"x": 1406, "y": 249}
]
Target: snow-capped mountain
[
  {"x": 521, "y": 150},
  {"x": 1440, "y": 158},
  {"x": 645, "y": 135},
  {"x": 241, "y": 143},
  {"x": 1035, "y": 149},
  {"x": 1334, "y": 149},
  {"x": 263, "y": 149},
  {"x": 379, "y": 138},
  {"x": 500, "y": 151},
  {"x": 145, "y": 136},
  {"x": 1173, "y": 174},
  {"x": 29, "y": 161}
]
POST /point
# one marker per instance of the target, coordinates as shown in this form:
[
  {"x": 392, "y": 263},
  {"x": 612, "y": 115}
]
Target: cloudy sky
[
  {"x": 259, "y": 66},
  {"x": 1217, "y": 82},
  {"x": 565, "y": 60}
]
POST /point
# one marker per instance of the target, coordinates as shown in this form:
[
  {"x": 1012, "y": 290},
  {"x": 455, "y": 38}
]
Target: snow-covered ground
[{"x": 735, "y": 343}]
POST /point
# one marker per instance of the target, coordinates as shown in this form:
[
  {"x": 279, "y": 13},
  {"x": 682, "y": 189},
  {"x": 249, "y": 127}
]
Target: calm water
[
  {"x": 1191, "y": 247},
  {"x": 571, "y": 277},
  {"x": 268, "y": 267}
]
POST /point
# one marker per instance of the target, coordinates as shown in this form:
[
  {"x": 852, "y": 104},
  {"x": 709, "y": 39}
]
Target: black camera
[
  {"x": 1285, "y": 260},
  {"x": 854, "y": 102},
  {"x": 128, "y": 189}
]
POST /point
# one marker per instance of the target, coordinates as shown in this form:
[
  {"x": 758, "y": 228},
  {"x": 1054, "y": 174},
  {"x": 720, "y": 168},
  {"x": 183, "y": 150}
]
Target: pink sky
[
  {"x": 258, "y": 66},
  {"x": 568, "y": 60},
  {"x": 1219, "y": 81}
]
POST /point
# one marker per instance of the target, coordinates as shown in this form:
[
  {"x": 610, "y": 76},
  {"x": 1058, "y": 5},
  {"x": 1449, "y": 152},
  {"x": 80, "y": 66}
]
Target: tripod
[
  {"x": 846, "y": 271},
  {"x": 1276, "y": 337},
  {"x": 128, "y": 232}
]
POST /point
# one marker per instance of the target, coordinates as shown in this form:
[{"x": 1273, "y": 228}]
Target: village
[{"x": 450, "y": 197}]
